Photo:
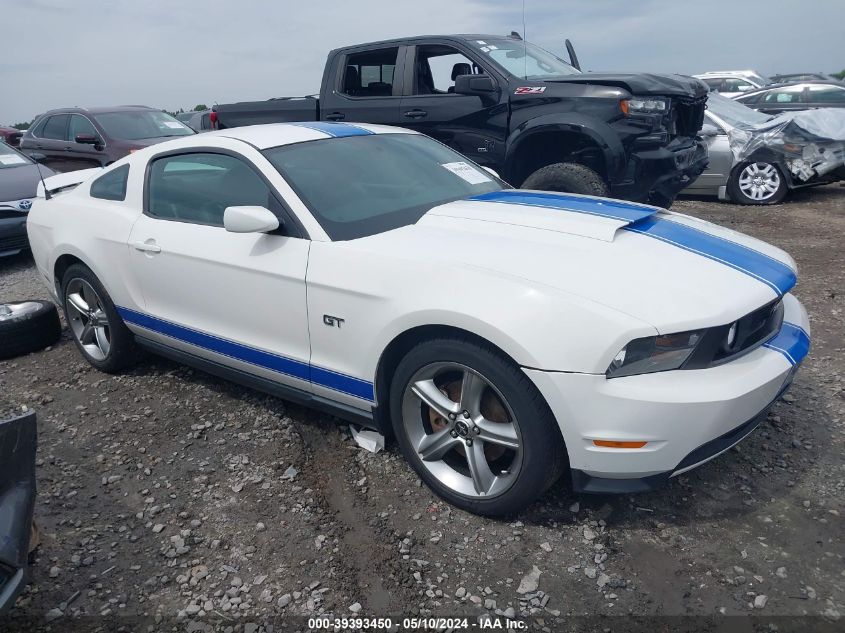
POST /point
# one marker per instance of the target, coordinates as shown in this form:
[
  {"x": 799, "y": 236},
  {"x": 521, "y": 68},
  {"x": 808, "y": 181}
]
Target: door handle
[
  {"x": 335, "y": 116},
  {"x": 147, "y": 247},
  {"x": 415, "y": 114}
]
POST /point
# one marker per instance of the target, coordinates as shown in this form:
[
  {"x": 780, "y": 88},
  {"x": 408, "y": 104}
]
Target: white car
[
  {"x": 501, "y": 335},
  {"x": 732, "y": 83}
]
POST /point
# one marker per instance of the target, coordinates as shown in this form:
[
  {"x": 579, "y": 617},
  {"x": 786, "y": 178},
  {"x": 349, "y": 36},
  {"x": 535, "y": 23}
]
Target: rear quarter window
[{"x": 111, "y": 186}]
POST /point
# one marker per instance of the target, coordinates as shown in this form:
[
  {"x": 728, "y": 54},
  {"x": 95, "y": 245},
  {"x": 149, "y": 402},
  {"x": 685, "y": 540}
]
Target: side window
[
  {"x": 111, "y": 186},
  {"x": 738, "y": 85},
  {"x": 38, "y": 128},
  {"x": 55, "y": 127},
  {"x": 80, "y": 125},
  {"x": 788, "y": 95},
  {"x": 370, "y": 73},
  {"x": 437, "y": 67},
  {"x": 713, "y": 84},
  {"x": 198, "y": 187},
  {"x": 826, "y": 95}
]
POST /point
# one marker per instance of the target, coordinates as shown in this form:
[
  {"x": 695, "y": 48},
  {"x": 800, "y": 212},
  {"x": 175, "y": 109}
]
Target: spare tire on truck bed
[{"x": 27, "y": 326}]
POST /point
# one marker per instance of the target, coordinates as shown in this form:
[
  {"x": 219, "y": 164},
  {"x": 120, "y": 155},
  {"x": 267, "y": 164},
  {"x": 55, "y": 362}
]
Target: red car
[{"x": 10, "y": 135}]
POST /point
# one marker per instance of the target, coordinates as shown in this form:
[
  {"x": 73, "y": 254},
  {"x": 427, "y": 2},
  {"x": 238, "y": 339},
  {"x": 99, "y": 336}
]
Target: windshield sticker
[
  {"x": 530, "y": 90},
  {"x": 174, "y": 124},
  {"x": 481, "y": 42},
  {"x": 467, "y": 172},
  {"x": 12, "y": 159},
  {"x": 485, "y": 49}
]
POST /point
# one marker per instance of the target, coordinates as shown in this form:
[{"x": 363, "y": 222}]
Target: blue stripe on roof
[
  {"x": 280, "y": 364},
  {"x": 336, "y": 130},
  {"x": 772, "y": 272},
  {"x": 613, "y": 209},
  {"x": 792, "y": 341}
]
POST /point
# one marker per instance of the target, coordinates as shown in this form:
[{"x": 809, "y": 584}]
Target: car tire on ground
[
  {"x": 27, "y": 326},
  {"x": 97, "y": 329},
  {"x": 567, "y": 178},
  {"x": 474, "y": 427},
  {"x": 757, "y": 183}
]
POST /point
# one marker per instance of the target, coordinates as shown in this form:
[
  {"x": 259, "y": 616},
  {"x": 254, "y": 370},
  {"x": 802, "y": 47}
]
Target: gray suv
[{"x": 80, "y": 138}]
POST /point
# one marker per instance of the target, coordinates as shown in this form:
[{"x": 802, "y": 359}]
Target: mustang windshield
[
  {"x": 524, "y": 60},
  {"x": 362, "y": 185}
]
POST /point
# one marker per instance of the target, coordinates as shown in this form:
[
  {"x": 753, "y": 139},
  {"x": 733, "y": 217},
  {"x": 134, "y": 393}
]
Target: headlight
[
  {"x": 639, "y": 105},
  {"x": 654, "y": 353}
]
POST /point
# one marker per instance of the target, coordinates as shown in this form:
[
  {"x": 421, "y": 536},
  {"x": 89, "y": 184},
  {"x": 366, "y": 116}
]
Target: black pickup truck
[{"x": 516, "y": 108}]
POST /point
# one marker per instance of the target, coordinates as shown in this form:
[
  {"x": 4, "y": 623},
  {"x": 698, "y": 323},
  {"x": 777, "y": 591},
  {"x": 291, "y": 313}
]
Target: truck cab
[{"x": 511, "y": 106}]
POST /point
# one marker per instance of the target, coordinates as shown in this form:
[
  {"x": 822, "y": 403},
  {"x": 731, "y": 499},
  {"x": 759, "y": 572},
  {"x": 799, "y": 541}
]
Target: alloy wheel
[
  {"x": 759, "y": 181},
  {"x": 88, "y": 319},
  {"x": 462, "y": 429}
]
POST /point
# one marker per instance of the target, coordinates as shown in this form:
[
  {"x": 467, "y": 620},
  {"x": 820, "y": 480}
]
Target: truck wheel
[
  {"x": 757, "y": 182},
  {"x": 567, "y": 178},
  {"x": 27, "y": 326}
]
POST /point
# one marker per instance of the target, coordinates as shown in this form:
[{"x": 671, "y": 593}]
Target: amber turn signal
[{"x": 610, "y": 444}]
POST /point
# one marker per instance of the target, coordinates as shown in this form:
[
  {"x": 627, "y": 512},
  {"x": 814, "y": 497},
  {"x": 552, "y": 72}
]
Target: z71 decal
[{"x": 530, "y": 90}]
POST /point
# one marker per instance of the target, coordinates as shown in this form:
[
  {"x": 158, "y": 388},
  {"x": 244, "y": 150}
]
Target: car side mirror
[
  {"x": 38, "y": 157},
  {"x": 474, "y": 85},
  {"x": 251, "y": 219},
  {"x": 87, "y": 139}
]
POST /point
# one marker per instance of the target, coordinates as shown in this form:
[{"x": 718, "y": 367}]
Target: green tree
[
  {"x": 839, "y": 75},
  {"x": 21, "y": 126},
  {"x": 200, "y": 107}
]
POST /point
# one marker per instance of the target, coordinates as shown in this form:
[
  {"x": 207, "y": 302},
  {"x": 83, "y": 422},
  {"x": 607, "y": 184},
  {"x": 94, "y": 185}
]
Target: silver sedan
[{"x": 757, "y": 158}]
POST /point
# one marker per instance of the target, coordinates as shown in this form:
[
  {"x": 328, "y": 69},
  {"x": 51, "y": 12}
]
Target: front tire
[
  {"x": 98, "y": 331},
  {"x": 474, "y": 427},
  {"x": 757, "y": 183},
  {"x": 567, "y": 178}
]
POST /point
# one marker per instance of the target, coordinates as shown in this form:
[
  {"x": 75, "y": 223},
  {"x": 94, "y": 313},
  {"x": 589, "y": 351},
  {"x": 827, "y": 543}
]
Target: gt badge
[
  {"x": 530, "y": 90},
  {"x": 333, "y": 321}
]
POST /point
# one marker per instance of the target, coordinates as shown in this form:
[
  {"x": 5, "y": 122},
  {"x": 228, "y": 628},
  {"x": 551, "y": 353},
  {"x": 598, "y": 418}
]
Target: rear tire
[
  {"x": 567, "y": 178},
  {"x": 757, "y": 183},
  {"x": 27, "y": 326},
  {"x": 497, "y": 459},
  {"x": 98, "y": 331}
]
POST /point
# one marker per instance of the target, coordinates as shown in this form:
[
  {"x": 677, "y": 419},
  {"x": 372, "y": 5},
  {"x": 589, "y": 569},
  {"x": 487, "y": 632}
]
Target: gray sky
[{"x": 177, "y": 54}]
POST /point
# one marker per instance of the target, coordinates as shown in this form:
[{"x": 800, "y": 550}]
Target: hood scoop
[{"x": 596, "y": 218}]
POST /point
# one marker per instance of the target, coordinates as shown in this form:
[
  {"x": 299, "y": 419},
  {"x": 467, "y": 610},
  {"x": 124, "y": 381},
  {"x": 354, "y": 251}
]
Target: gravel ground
[{"x": 167, "y": 496}]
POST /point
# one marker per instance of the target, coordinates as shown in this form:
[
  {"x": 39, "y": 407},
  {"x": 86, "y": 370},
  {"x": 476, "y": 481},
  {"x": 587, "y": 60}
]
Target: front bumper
[
  {"x": 657, "y": 175},
  {"x": 686, "y": 417},
  {"x": 13, "y": 234}
]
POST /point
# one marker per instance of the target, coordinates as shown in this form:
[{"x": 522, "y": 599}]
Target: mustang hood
[
  {"x": 644, "y": 83},
  {"x": 672, "y": 271}
]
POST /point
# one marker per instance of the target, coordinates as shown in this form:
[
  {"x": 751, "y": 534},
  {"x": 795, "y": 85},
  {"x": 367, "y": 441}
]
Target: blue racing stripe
[
  {"x": 772, "y": 272},
  {"x": 279, "y": 364},
  {"x": 336, "y": 130},
  {"x": 613, "y": 209},
  {"x": 792, "y": 341}
]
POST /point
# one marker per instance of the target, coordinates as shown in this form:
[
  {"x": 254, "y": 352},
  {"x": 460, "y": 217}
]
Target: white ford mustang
[{"x": 502, "y": 335}]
